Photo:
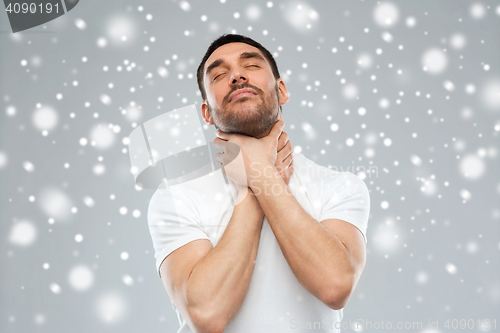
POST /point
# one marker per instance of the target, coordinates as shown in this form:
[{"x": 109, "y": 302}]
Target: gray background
[{"x": 433, "y": 233}]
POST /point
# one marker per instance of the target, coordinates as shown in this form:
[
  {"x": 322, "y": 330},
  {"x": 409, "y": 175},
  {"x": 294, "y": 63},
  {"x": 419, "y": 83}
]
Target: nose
[{"x": 238, "y": 76}]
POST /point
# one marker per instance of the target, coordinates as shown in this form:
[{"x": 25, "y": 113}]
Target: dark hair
[{"x": 233, "y": 38}]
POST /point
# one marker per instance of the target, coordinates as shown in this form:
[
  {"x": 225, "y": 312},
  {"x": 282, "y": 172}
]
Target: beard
[{"x": 243, "y": 116}]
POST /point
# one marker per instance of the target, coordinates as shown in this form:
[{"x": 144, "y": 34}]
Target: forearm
[
  {"x": 316, "y": 256},
  {"x": 219, "y": 282}
]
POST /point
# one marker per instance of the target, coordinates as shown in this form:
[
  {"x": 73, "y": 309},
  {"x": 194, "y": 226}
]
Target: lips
[{"x": 241, "y": 93}]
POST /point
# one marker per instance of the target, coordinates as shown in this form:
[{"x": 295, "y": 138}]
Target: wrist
[
  {"x": 246, "y": 197},
  {"x": 262, "y": 176}
]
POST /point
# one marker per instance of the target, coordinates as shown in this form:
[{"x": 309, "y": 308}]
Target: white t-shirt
[{"x": 276, "y": 301}]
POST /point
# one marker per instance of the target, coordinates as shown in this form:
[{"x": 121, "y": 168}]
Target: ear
[
  {"x": 283, "y": 92},
  {"x": 205, "y": 113}
]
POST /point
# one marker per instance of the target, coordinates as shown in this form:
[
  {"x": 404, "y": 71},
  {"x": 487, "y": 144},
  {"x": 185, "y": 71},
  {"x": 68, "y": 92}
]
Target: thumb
[{"x": 277, "y": 129}]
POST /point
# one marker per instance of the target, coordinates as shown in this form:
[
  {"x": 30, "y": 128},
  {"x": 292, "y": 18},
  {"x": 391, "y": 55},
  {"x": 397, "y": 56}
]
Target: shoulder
[
  {"x": 348, "y": 178},
  {"x": 167, "y": 201},
  {"x": 161, "y": 196},
  {"x": 349, "y": 193},
  {"x": 310, "y": 170},
  {"x": 159, "y": 203},
  {"x": 311, "y": 174},
  {"x": 326, "y": 180}
]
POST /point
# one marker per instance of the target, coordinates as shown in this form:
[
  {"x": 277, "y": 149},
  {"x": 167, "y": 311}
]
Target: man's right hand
[
  {"x": 284, "y": 165},
  {"x": 284, "y": 161}
]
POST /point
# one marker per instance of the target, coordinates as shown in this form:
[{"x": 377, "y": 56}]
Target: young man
[{"x": 288, "y": 256}]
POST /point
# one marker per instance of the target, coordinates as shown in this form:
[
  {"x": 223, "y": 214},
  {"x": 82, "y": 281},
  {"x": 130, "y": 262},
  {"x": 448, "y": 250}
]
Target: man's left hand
[{"x": 253, "y": 156}]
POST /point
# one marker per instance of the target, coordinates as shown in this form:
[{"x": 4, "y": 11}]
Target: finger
[
  {"x": 218, "y": 142},
  {"x": 283, "y": 166},
  {"x": 232, "y": 148},
  {"x": 220, "y": 145},
  {"x": 288, "y": 173},
  {"x": 277, "y": 129},
  {"x": 283, "y": 153},
  {"x": 288, "y": 160},
  {"x": 223, "y": 135},
  {"x": 219, "y": 157},
  {"x": 282, "y": 140}
]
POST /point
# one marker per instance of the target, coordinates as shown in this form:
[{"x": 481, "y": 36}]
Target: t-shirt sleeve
[
  {"x": 346, "y": 198},
  {"x": 173, "y": 222}
]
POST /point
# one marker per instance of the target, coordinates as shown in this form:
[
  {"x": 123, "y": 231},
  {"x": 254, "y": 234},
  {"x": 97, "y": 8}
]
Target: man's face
[{"x": 242, "y": 94}]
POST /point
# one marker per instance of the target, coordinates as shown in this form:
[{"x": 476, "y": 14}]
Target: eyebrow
[{"x": 244, "y": 55}]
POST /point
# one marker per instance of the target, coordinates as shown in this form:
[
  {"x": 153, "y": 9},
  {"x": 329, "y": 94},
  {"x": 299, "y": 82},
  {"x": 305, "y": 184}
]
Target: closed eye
[{"x": 215, "y": 78}]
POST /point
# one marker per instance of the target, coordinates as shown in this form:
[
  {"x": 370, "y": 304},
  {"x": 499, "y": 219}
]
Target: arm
[
  {"x": 208, "y": 285},
  {"x": 327, "y": 258},
  {"x": 196, "y": 274}
]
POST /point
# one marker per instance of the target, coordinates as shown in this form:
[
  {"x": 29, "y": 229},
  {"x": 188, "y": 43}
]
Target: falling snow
[{"x": 405, "y": 96}]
